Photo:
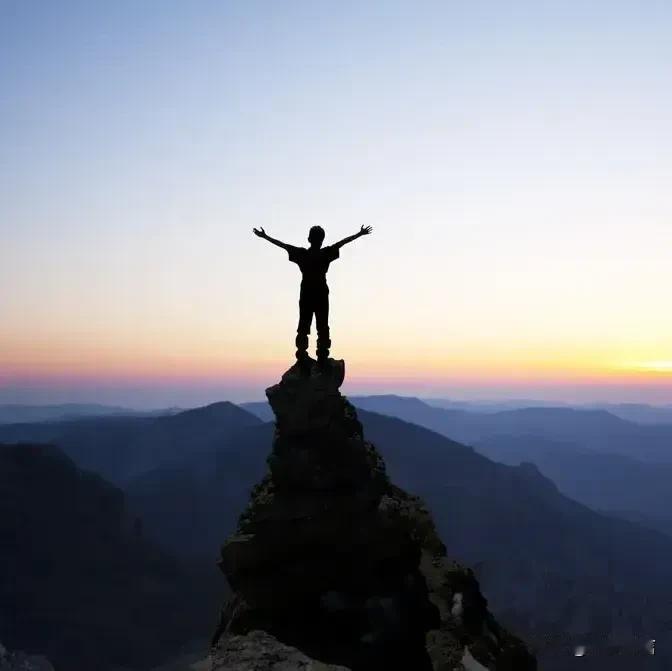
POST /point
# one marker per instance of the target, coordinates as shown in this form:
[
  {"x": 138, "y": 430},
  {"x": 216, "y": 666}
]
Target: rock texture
[
  {"x": 259, "y": 651},
  {"x": 332, "y": 562},
  {"x": 19, "y": 661}
]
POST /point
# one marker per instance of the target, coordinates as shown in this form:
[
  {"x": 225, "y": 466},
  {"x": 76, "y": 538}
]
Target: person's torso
[{"x": 314, "y": 264}]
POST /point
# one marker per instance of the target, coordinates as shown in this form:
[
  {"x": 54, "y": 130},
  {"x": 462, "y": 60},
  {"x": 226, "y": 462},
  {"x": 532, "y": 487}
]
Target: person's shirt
[{"x": 313, "y": 263}]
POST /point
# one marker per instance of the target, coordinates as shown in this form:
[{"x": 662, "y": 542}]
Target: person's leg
[
  {"x": 322, "y": 324},
  {"x": 303, "y": 330}
]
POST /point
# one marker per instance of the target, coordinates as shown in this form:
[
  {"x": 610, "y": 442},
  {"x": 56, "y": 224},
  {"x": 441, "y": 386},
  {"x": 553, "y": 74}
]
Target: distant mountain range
[
  {"x": 531, "y": 544},
  {"x": 586, "y": 428},
  {"x": 557, "y": 572},
  {"x": 488, "y": 406},
  {"x": 79, "y": 580},
  {"x": 14, "y": 413},
  {"x": 635, "y": 412},
  {"x": 549, "y": 566},
  {"x": 593, "y": 457},
  {"x": 191, "y": 506},
  {"x": 641, "y": 413},
  {"x": 122, "y": 447},
  {"x": 603, "y": 481}
]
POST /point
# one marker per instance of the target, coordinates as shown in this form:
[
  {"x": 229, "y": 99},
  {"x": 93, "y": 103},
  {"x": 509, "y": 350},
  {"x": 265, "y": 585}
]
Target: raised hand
[
  {"x": 365, "y": 230},
  {"x": 259, "y": 232}
]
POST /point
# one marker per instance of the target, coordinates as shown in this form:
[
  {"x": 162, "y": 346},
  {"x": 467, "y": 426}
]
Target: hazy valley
[{"x": 522, "y": 507}]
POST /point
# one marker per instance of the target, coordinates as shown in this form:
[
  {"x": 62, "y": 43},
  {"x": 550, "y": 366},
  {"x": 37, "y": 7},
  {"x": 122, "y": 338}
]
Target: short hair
[{"x": 316, "y": 233}]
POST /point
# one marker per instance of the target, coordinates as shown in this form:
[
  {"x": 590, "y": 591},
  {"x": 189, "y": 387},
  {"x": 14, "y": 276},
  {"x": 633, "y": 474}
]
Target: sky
[{"x": 514, "y": 160}]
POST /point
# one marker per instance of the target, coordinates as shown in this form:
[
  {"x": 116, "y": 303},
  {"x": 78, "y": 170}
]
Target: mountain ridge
[{"x": 79, "y": 581}]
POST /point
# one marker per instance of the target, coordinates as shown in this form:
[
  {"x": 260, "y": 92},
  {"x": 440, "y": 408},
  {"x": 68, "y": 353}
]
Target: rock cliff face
[
  {"x": 19, "y": 661},
  {"x": 333, "y": 566}
]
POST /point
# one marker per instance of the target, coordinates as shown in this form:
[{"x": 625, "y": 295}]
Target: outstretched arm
[
  {"x": 364, "y": 230},
  {"x": 261, "y": 233}
]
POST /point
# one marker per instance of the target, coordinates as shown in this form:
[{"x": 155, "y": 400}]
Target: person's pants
[{"x": 316, "y": 303}]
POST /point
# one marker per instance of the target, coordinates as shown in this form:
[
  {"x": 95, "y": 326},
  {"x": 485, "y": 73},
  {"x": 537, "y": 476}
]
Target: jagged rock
[
  {"x": 307, "y": 397},
  {"x": 259, "y": 651},
  {"x": 332, "y": 559},
  {"x": 19, "y": 661}
]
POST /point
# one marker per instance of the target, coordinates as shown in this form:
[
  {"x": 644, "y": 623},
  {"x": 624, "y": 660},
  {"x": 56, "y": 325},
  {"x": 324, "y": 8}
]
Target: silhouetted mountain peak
[
  {"x": 393, "y": 398},
  {"x": 121, "y": 448},
  {"x": 219, "y": 411},
  {"x": 333, "y": 560},
  {"x": 393, "y": 404}
]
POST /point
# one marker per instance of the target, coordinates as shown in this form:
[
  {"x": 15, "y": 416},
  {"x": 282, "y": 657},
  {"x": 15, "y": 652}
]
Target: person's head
[{"x": 316, "y": 236}]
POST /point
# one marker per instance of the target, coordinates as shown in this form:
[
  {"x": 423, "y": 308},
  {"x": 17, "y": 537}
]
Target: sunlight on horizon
[{"x": 655, "y": 366}]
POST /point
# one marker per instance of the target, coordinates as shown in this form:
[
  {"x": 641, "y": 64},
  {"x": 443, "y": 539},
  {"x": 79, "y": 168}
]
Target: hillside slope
[{"x": 78, "y": 581}]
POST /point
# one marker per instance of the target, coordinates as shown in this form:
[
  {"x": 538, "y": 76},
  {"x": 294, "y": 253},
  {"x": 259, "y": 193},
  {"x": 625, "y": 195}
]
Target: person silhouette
[{"x": 314, "y": 295}]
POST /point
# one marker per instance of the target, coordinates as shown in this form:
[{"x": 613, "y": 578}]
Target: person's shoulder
[{"x": 295, "y": 253}]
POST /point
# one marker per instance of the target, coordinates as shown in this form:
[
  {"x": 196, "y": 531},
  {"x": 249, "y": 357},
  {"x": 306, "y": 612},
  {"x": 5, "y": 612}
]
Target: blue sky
[{"x": 513, "y": 158}]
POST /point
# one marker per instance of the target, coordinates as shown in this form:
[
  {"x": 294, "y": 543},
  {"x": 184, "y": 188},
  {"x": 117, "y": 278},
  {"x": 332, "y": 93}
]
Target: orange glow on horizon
[
  {"x": 655, "y": 367},
  {"x": 192, "y": 367},
  {"x": 191, "y": 359}
]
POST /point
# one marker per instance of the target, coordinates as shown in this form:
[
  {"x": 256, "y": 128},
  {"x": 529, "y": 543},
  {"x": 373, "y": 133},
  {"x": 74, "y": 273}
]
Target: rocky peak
[
  {"x": 19, "y": 661},
  {"x": 333, "y": 564}
]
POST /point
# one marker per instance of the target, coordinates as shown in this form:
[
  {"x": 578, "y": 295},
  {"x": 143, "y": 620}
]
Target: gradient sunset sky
[{"x": 514, "y": 159}]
